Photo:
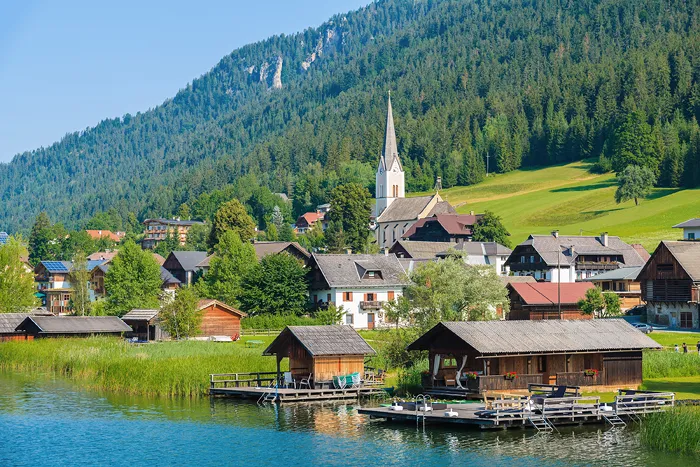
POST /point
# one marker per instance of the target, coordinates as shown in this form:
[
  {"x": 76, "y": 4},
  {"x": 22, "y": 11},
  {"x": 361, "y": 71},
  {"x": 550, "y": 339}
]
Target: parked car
[
  {"x": 638, "y": 310},
  {"x": 645, "y": 328}
]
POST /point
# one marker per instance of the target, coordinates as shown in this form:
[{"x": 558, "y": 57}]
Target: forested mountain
[{"x": 530, "y": 82}]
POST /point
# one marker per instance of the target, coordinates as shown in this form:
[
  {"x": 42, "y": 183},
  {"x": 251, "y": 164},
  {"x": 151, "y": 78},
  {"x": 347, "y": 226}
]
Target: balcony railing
[{"x": 371, "y": 305}]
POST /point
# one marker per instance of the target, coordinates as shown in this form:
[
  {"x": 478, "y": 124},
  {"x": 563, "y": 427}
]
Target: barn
[
  {"x": 479, "y": 356},
  {"x": 220, "y": 319}
]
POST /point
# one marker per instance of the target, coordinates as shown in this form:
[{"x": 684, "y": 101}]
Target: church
[{"x": 394, "y": 213}]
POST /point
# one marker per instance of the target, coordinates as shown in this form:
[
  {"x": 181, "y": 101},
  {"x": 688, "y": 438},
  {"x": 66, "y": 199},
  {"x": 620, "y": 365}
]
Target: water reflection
[{"x": 128, "y": 429}]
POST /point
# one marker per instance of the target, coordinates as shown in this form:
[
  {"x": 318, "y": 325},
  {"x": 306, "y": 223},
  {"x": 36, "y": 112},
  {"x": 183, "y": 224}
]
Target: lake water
[{"x": 50, "y": 422}]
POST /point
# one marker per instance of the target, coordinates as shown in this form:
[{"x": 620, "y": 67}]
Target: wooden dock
[
  {"x": 543, "y": 414},
  {"x": 261, "y": 387}
]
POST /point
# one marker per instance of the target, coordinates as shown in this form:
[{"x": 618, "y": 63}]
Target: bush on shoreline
[{"x": 676, "y": 430}]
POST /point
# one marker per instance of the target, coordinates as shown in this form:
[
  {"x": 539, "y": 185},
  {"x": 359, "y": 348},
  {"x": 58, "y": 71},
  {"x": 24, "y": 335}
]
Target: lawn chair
[
  {"x": 340, "y": 382},
  {"x": 289, "y": 380},
  {"x": 306, "y": 381},
  {"x": 356, "y": 380}
]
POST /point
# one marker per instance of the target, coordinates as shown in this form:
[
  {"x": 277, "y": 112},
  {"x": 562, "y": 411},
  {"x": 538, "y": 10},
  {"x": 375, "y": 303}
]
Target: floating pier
[{"x": 540, "y": 413}]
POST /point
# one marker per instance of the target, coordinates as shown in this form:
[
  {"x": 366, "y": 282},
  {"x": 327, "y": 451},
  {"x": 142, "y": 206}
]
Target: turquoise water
[{"x": 50, "y": 422}]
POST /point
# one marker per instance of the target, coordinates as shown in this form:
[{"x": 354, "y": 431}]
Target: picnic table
[{"x": 253, "y": 343}]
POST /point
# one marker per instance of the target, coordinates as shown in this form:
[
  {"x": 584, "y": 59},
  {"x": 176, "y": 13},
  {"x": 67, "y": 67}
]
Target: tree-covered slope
[{"x": 532, "y": 82}]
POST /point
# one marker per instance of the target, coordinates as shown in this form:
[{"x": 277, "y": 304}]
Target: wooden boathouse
[
  {"x": 475, "y": 357},
  {"x": 318, "y": 356}
]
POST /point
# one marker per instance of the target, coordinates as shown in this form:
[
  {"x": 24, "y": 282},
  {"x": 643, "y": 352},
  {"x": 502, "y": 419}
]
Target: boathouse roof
[
  {"x": 73, "y": 325},
  {"x": 321, "y": 341},
  {"x": 536, "y": 337}
]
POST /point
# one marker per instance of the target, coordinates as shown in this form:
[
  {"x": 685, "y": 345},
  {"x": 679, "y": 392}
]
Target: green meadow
[{"x": 574, "y": 201}]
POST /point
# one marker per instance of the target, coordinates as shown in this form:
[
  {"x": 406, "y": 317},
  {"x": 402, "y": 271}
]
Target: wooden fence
[{"x": 237, "y": 380}]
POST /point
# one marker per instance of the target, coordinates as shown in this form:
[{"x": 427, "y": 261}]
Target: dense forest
[{"x": 524, "y": 83}]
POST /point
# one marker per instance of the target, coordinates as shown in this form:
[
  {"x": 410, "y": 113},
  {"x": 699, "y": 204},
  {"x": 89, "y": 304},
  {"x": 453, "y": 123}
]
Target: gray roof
[
  {"x": 548, "y": 245},
  {"x": 348, "y": 270},
  {"x": 321, "y": 340},
  {"x": 76, "y": 324},
  {"x": 620, "y": 274},
  {"x": 517, "y": 279},
  {"x": 688, "y": 255},
  {"x": 480, "y": 249},
  {"x": 10, "y": 321},
  {"x": 689, "y": 223},
  {"x": 189, "y": 259},
  {"x": 423, "y": 250},
  {"x": 405, "y": 209},
  {"x": 545, "y": 336},
  {"x": 141, "y": 315},
  {"x": 167, "y": 277},
  {"x": 263, "y": 249}
]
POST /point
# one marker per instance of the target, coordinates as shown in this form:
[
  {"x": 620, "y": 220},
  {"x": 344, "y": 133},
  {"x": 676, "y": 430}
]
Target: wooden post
[{"x": 279, "y": 374}]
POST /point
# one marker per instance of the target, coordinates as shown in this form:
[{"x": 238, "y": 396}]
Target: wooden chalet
[
  {"x": 670, "y": 283},
  {"x": 220, "y": 319},
  {"x": 544, "y": 300},
  {"x": 622, "y": 282},
  {"x": 184, "y": 265},
  {"x": 448, "y": 227},
  {"x": 320, "y": 352},
  {"x": 479, "y": 356},
  {"x": 72, "y": 326}
]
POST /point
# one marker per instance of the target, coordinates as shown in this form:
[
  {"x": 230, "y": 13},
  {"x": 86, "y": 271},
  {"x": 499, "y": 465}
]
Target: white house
[
  {"x": 361, "y": 284},
  {"x": 483, "y": 253},
  {"x": 691, "y": 229},
  {"x": 394, "y": 213}
]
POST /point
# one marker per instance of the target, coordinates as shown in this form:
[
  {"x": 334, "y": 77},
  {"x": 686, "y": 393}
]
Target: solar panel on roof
[{"x": 54, "y": 266}]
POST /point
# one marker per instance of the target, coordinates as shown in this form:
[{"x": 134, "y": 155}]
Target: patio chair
[
  {"x": 289, "y": 380},
  {"x": 306, "y": 381},
  {"x": 340, "y": 382},
  {"x": 356, "y": 380}
]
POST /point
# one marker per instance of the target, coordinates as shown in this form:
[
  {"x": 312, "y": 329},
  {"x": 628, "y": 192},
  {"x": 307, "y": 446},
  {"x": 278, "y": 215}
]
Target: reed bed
[
  {"x": 676, "y": 430},
  {"x": 162, "y": 369},
  {"x": 669, "y": 364}
]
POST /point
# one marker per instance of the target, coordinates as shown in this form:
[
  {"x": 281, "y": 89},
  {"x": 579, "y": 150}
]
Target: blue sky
[{"x": 66, "y": 65}]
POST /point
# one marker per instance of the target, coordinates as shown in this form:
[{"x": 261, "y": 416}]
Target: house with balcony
[
  {"x": 361, "y": 284},
  {"x": 472, "y": 357},
  {"x": 482, "y": 254},
  {"x": 54, "y": 287},
  {"x": 623, "y": 282},
  {"x": 691, "y": 229},
  {"x": 447, "y": 227},
  {"x": 570, "y": 258},
  {"x": 670, "y": 283},
  {"x": 157, "y": 230}
]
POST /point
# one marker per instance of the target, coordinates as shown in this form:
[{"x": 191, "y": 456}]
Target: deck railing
[
  {"x": 642, "y": 402},
  {"x": 237, "y": 380}
]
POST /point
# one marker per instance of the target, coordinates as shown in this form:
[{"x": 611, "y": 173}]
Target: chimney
[
  {"x": 604, "y": 238},
  {"x": 571, "y": 250},
  {"x": 555, "y": 233}
]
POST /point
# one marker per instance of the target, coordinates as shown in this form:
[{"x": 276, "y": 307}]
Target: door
[
  {"x": 686, "y": 319},
  {"x": 370, "y": 320}
]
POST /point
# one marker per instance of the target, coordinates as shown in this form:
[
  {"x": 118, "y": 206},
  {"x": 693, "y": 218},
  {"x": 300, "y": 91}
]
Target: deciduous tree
[
  {"x": 490, "y": 229},
  {"x": 232, "y": 216},
  {"x": 181, "y": 317},
  {"x": 633, "y": 183},
  {"x": 132, "y": 281},
  {"x": 232, "y": 260},
  {"x": 350, "y": 212},
  {"x": 80, "y": 276},
  {"x": 17, "y": 286},
  {"x": 277, "y": 284}
]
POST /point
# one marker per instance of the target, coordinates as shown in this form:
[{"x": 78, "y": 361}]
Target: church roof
[
  {"x": 390, "y": 152},
  {"x": 405, "y": 209}
]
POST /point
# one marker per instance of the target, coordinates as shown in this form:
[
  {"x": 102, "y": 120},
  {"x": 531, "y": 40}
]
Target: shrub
[{"x": 676, "y": 430}]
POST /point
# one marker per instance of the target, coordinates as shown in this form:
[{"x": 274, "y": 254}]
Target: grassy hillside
[{"x": 572, "y": 200}]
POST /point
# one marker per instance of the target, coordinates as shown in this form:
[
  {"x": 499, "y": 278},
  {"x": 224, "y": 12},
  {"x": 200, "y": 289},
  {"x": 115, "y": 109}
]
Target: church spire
[{"x": 390, "y": 151}]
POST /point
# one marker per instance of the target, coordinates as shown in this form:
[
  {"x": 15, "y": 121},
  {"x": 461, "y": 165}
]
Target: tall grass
[
  {"x": 276, "y": 321},
  {"x": 665, "y": 364},
  {"x": 162, "y": 369},
  {"x": 676, "y": 430}
]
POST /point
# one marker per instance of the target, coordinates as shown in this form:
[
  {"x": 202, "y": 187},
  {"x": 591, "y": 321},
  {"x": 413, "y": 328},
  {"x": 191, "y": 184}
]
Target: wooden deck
[
  {"x": 530, "y": 412},
  {"x": 298, "y": 395}
]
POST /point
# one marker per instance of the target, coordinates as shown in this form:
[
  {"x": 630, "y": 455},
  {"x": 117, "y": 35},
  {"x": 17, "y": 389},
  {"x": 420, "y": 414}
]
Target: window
[
  {"x": 390, "y": 295},
  {"x": 370, "y": 274},
  {"x": 691, "y": 235},
  {"x": 328, "y": 298},
  {"x": 522, "y": 259},
  {"x": 532, "y": 258},
  {"x": 349, "y": 319},
  {"x": 449, "y": 363},
  {"x": 370, "y": 297},
  {"x": 664, "y": 267},
  {"x": 347, "y": 296},
  {"x": 541, "y": 364}
]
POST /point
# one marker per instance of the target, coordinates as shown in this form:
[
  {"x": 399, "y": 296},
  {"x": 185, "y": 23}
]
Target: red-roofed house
[
  {"x": 456, "y": 228},
  {"x": 98, "y": 234},
  {"x": 306, "y": 221},
  {"x": 540, "y": 300}
]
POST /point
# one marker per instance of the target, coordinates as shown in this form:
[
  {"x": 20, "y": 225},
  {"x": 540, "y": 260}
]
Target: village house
[
  {"x": 184, "y": 265},
  {"x": 54, "y": 287},
  {"x": 107, "y": 234},
  {"x": 482, "y": 254},
  {"x": 546, "y": 300},
  {"x": 623, "y": 282},
  {"x": 72, "y": 326},
  {"x": 263, "y": 249},
  {"x": 455, "y": 228},
  {"x": 144, "y": 326},
  {"x": 670, "y": 283},
  {"x": 394, "y": 213},
  {"x": 318, "y": 353},
  {"x": 419, "y": 250},
  {"x": 306, "y": 221},
  {"x": 360, "y": 283},
  {"x": 10, "y": 321},
  {"x": 97, "y": 280},
  {"x": 691, "y": 229},
  {"x": 557, "y": 258},
  {"x": 157, "y": 230},
  {"x": 479, "y": 356},
  {"x": 220, "y": 319}
]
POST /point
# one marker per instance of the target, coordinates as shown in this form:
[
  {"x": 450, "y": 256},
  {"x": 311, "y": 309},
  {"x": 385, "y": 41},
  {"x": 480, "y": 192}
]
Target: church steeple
[
  {"x": 390, "y": 180},
  {"x": 390, "y": 153}
]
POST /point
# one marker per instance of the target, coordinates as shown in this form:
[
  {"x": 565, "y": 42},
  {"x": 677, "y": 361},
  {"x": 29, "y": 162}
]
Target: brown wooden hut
[
  {"x": 145, "y": 325},
  {"x": 502, "y": 355},
  {"x": 72, "y": 326},
  {"x": 220, "y": 319},
  {"x": 320, "y": 352}
]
